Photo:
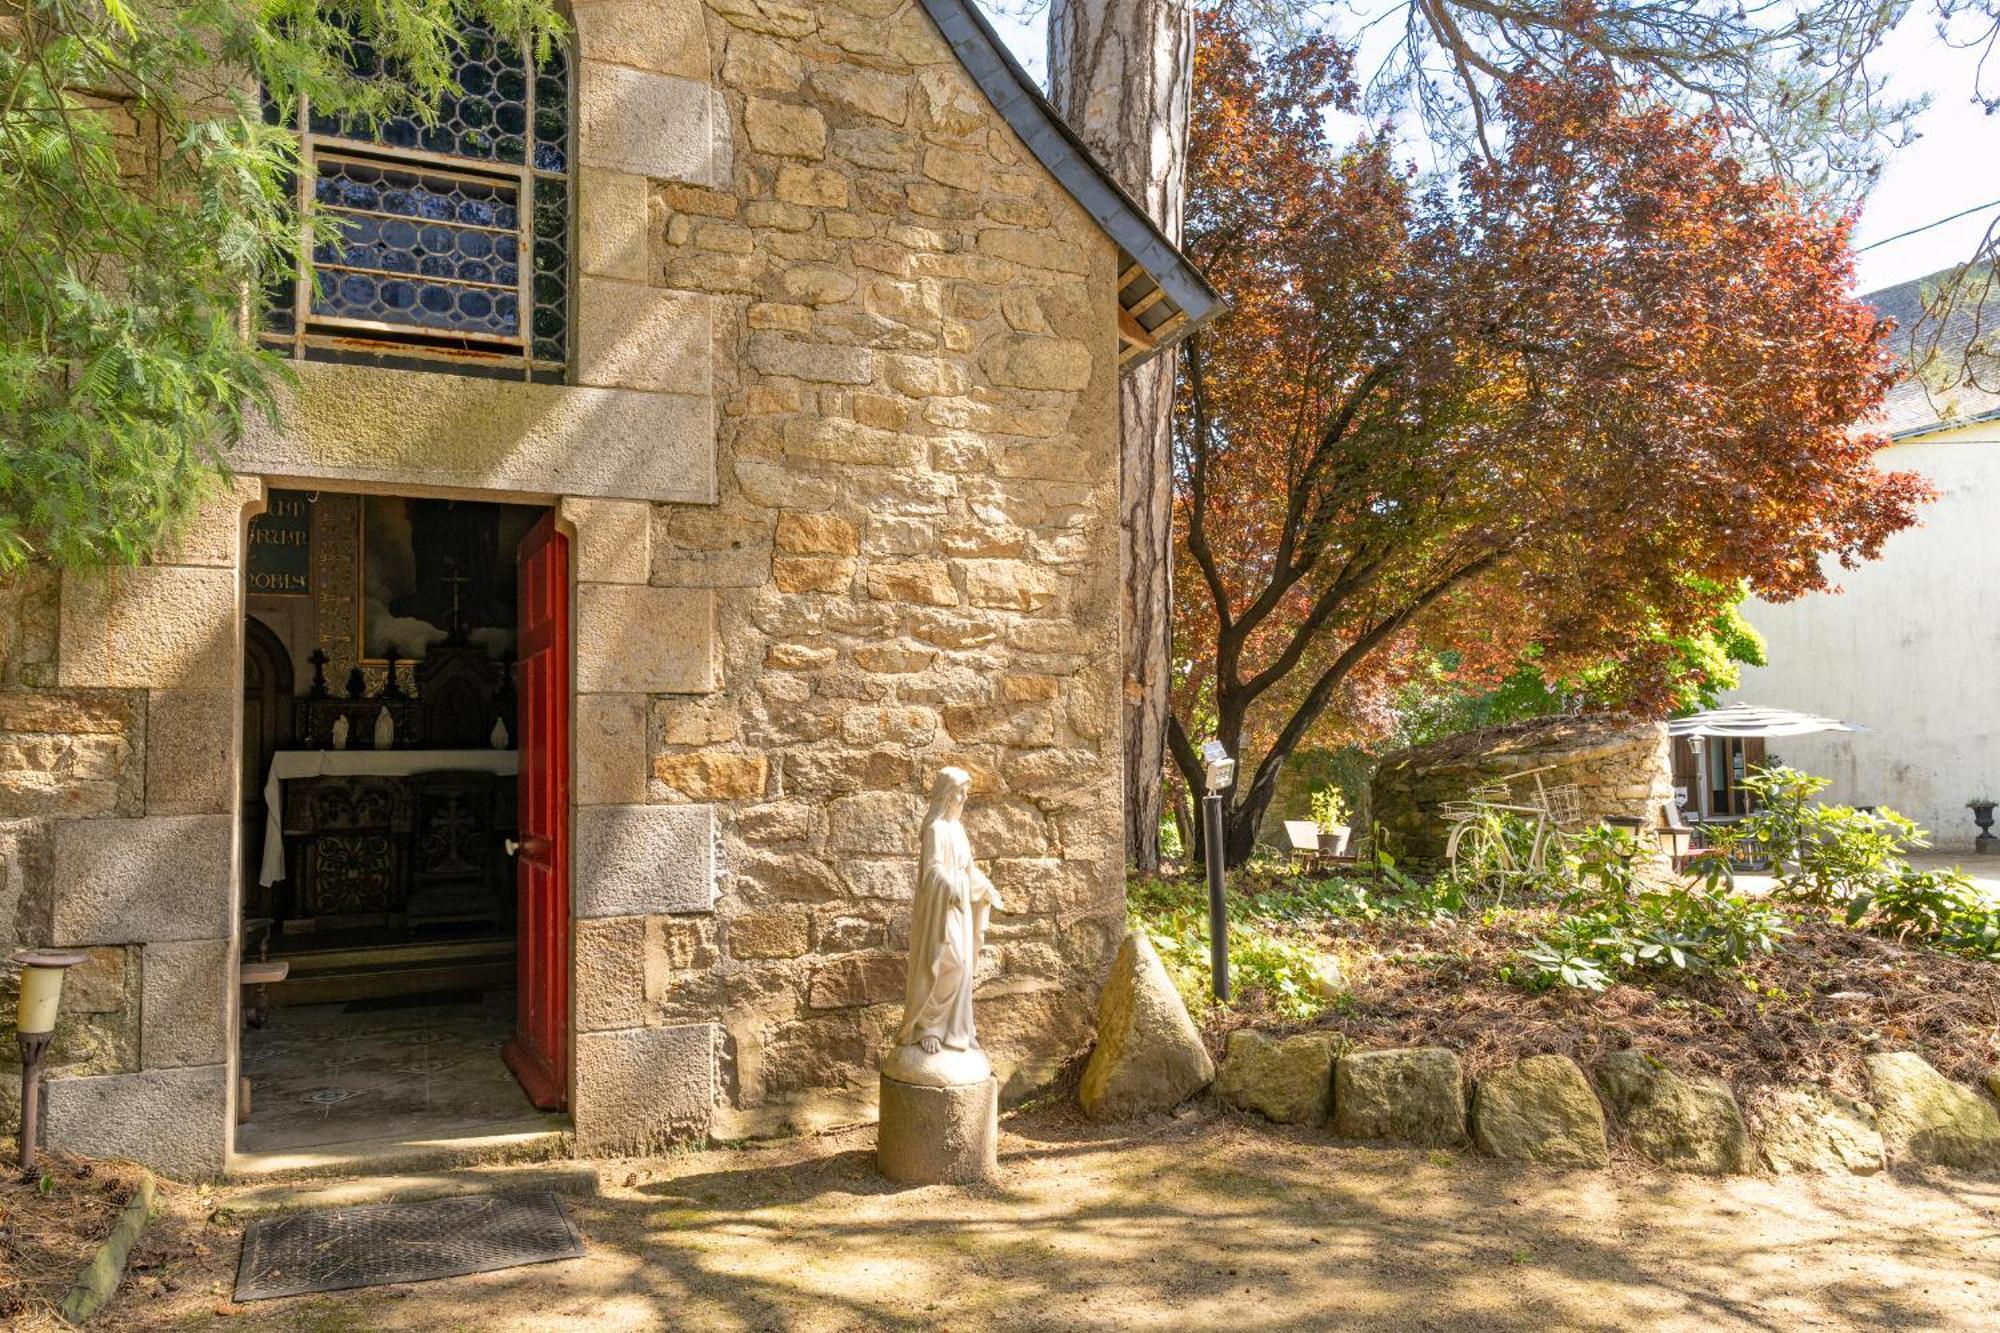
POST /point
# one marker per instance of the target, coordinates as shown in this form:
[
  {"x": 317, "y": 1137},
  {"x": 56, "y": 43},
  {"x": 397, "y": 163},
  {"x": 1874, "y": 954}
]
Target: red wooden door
[{"x": 538, "y": 1052}]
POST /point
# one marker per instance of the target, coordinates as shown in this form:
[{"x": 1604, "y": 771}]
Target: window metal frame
[{"x": 341, "y": 337}]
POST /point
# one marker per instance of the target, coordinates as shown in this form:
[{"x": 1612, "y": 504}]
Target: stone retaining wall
[
  {"x": 1620, "y": 765},
  {"x": 1546, "y": 1109}
]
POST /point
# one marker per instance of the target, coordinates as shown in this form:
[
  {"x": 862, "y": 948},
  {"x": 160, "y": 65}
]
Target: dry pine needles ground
[
  {"x": 50, "y": 1226},
  {"x": 1807, "y": 1014}
]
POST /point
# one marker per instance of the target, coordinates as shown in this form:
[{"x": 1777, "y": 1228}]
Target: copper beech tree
[{"x": 1551, "y": 400}]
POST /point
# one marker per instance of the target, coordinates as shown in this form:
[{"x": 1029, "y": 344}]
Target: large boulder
[
  {"x": 1811, "y": 1129},
  {"x": 1925, "y": 1117},
  {"x": 1149, "y": 1056},
  {"x": 1289, "y": 1081},
  {"x": 1404, "y": 1096},
  {"x": 1691, "y": 1124},
  {"x": 1540, "y": 1109}
]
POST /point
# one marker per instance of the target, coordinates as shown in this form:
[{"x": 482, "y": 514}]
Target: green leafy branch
[{"x": 144, "y": 201}]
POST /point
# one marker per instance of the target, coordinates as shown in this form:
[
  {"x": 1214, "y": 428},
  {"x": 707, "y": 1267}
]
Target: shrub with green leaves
[
  {"x": 1857, "y": 862},
  {"x": 1265, "y": 953},
  {"x": 1821, "y": 854},
  {"x": 1614, "y": 925},
  {"x": 1942, "y": 908},
  {"x": 142, "y": 196}
]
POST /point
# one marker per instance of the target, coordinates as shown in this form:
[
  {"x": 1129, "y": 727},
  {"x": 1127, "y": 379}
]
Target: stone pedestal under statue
[
  {"x": 939, "y": 1135},
  {"x": 940, "y": 1120}
]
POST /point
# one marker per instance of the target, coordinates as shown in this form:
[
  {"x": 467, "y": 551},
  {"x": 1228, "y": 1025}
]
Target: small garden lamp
[{"x": 34, "y": 1023}]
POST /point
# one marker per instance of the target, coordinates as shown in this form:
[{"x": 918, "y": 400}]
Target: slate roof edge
[
  {"x": 1944, "y": 424},
  {"x": 1014, "y": 94},
  {"x": 1910, "y": 408}
]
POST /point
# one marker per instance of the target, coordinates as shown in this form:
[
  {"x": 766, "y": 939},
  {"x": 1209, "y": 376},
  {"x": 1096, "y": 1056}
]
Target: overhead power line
[{"x": 1964, "y": 212}]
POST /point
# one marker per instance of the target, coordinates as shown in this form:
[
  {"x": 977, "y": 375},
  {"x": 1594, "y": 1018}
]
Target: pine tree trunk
[{"x": 1120, "y": 72}]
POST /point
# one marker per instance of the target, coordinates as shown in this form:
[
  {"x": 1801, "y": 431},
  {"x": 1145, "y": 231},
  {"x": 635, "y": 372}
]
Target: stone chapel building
[{"x": 699, "y": 441}]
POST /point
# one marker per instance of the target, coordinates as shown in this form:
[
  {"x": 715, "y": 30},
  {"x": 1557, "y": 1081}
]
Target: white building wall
[{"x": 1909, "y": 649}]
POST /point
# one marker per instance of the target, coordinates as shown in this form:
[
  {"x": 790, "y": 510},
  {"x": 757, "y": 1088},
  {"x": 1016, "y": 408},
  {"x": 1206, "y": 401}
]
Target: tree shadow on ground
[{"x": 1216, "y": 1222}]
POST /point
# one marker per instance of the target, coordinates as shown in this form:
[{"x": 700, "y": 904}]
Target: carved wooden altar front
[{"x": 397, "y": 852}]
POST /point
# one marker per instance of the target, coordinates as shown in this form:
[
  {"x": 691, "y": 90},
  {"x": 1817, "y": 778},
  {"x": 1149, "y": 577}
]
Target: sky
[{"x": 1953, "y": 164}]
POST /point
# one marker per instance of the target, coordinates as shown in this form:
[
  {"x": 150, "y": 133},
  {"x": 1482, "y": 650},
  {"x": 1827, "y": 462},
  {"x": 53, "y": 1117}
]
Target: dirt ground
[{"x": 1207, "y": 1221}]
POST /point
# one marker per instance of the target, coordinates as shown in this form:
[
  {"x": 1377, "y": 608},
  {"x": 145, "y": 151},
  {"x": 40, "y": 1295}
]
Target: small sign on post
[{"x": 1221, "y": 774}]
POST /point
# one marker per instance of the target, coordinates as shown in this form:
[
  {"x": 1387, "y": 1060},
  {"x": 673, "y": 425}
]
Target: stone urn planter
[{"x": 1982, "y": 815}]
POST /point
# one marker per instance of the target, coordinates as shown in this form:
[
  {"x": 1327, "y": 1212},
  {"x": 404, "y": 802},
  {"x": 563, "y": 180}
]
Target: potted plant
[{"x": 1329, "y": 811}]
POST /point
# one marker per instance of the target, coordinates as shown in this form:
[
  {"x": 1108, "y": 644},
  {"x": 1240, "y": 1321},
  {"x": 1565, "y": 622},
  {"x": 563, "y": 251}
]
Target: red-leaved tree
[{"x": 1549, "y": 401}]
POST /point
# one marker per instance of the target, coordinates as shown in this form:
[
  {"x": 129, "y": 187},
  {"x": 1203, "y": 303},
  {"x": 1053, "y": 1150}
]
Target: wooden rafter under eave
[
  {"x": 1136, "y": 341},
  {"x": 1133, "y": 340}
]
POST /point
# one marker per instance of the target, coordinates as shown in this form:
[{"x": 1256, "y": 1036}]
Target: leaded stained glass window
[{"x": 450, "y": 240}]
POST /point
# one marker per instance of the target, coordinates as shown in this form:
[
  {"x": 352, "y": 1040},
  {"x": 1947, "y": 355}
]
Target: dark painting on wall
[{"x": 431, "y": 566}]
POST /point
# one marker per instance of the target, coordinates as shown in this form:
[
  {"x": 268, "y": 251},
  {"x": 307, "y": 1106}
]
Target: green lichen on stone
[
  {"x": 1289, "y": 1081},
  {"x": 1540, "y": 1109},
  {"x": 1403, "y": 1096},
  {"x": 1925, "y": 1117},
  {"x": 1689, "y": 1123}
]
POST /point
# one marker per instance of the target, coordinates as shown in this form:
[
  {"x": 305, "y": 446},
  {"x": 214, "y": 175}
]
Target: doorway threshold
[{"x": 534, "y": 1138}]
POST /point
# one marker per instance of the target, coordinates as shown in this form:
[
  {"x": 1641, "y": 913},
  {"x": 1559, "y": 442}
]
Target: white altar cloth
[{"x": 286, "y": 764}]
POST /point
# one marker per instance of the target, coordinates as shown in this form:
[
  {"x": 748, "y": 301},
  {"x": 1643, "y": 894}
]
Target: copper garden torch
[{"x": 34, "y": 1023}]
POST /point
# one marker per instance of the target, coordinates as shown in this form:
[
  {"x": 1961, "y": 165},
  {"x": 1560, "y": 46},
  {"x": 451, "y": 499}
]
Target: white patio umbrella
[{"x": 1734, "y": 720}]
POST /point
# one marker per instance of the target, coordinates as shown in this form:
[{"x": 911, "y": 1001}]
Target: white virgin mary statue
[{"x": 937, "y": 1046}]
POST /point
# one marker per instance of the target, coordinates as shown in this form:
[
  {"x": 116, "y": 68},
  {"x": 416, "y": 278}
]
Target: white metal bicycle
[{"x": 1479, "y": 834}]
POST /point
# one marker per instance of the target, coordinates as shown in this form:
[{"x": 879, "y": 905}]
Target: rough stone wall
[
  {"x": 914, "y": 556},
  {"x": 65, "y": 754},
  {"x": 839, "y": 464},
  {"x": 61, "y": 755},
  {"x": 118, "y": 731},
  {"x": 1620, "y": 766}
]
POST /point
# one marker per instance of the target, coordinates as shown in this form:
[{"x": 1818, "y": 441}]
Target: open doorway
[
  {"x": 1722, "y": 762},
  {"x": 406, "y": 751}
]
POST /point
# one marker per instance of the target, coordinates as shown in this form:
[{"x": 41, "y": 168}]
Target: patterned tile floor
[{"x": 333, "y": 1073}]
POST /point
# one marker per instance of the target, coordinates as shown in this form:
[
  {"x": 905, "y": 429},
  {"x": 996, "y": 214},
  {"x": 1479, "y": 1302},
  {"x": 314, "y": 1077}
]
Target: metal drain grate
[{"x": 335, "y": 1249}]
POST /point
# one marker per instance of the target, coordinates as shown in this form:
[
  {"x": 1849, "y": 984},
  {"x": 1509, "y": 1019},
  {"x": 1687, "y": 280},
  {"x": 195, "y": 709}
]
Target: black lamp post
[
  {"x": 1221, "y": 772},
  {"x": 34, "y": 1023}
]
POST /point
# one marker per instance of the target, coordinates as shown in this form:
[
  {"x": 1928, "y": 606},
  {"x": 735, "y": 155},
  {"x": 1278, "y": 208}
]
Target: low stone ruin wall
[
  {"x": 1620, "y": 765},
  {"x": 1546, "y": 1109}
]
